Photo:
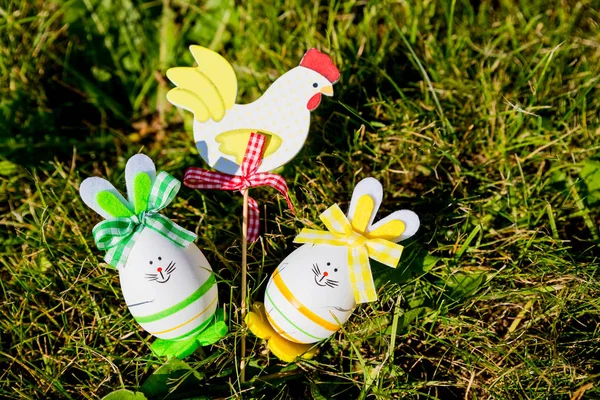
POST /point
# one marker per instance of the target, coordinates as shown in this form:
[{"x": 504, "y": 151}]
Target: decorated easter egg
[
  {"x": 309, "y": 296},
  {"x": 171, "y": 292},
  {"x": 167, "y": 283},
  {"x": 314, "y": 289}
]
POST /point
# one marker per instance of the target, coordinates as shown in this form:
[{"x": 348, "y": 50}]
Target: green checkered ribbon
[{"x": 117, "y": 236}]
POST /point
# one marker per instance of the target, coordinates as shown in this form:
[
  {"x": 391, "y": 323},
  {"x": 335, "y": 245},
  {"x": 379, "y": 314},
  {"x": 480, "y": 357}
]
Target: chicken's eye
[{"x": 315, "y": 84}]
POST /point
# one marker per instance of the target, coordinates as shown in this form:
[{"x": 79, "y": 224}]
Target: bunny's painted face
[
  {"x": 325, "y": 278},
  {"x": 309, "y": 295},
  {"x": 321, "y": 270},
  {"x": 164, "y": 269},
  {"x": 168, "y": 289},
  {"x": 159, "y": 274}
]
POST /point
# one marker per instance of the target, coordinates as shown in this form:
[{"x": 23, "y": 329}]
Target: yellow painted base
[{"x": 287, "y": 351}]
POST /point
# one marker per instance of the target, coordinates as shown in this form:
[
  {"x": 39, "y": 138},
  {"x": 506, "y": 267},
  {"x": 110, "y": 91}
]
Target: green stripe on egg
[
  {"x": 286, "y": 318},
  {"x": 201, "y": 291}
]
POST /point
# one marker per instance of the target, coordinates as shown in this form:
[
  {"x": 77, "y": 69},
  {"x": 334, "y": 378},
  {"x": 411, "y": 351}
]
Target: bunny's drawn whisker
[
  {"x": 139, "y": 304},
  {"x": 150, "y": 276},
  {"x": 170, "y": 268},
  {"x": 282, "y": 266},
  {"x": 317, "y": 268},
  {"x": 315, "y": 271}
]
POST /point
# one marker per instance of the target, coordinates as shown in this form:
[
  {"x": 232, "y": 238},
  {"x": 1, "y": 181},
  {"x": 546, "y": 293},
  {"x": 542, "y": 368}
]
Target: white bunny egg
[
  {"x": 168, "y": 284},
  {"x": 309, "y": 295},
  {"x": 171, "y": 292}
]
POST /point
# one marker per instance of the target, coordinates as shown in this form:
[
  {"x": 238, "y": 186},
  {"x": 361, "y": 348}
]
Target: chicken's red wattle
[{"x": 314, "y": 102}]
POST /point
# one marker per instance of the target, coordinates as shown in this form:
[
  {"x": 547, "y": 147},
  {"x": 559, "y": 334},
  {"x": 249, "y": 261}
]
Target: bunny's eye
[
  {"x": 328, "y": 264},
  {"x": 335, "y": 270},
  {"x": 159, "y": 258},
  {"x": 150, "y": 262}
]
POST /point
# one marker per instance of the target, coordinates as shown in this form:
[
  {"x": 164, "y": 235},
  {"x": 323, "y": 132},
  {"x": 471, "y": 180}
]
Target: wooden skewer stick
[{"x": 244, "y": 284}]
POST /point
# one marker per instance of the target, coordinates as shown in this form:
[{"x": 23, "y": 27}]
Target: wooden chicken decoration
[{"x": 222, "y": 128}]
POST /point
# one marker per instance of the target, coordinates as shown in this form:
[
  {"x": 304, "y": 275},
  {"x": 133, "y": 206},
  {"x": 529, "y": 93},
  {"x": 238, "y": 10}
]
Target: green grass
[{"x": 483, "y": 118}]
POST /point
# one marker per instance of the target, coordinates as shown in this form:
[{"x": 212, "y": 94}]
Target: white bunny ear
[
  {"x": 135, "y": 165},
  {"x": 388, "y": 225},
  {"x": 367, "y": 197},
  {"x": 89, "y": 190}
]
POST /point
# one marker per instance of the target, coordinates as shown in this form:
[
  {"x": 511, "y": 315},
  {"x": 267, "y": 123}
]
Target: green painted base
[{"x": 214, "y": 331}]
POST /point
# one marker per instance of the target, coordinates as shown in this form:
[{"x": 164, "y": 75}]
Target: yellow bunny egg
[
  {"x": 309, "y": 295},
  {"x": 314, "y": 290}
]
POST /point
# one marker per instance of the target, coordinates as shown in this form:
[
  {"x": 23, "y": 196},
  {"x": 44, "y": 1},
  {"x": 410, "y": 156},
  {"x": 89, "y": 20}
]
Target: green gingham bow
[{"x": 117, "y": 236}]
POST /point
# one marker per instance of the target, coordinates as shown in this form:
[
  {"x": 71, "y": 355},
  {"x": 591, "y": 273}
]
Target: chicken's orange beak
[{"x": 327, "y": 90}]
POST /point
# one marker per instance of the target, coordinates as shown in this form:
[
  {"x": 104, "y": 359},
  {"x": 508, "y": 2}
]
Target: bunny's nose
[
  {"x": 159, "y": 269},
  {"x": 325, "y": 273}
]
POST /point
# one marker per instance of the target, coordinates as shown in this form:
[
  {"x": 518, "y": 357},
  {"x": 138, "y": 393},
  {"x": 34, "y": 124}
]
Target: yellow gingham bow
[{"x": 361, "y": 245}]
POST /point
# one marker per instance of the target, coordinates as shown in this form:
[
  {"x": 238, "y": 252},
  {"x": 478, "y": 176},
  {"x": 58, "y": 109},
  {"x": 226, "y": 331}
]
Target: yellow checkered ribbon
[{"x": 361, "y": 247}]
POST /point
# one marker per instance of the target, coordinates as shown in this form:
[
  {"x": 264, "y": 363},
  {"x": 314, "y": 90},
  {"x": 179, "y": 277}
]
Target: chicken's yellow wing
[
  {"x": 208, "y": 90},
  {"x": 219, "y": 71},
  {"x": 198, "y": 84},
  {"x": 187, "y": 100}
]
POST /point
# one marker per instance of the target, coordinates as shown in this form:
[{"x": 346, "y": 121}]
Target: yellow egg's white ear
[
  {"x": 365, "y": 202},
  {"x": 388, "y": 226}
]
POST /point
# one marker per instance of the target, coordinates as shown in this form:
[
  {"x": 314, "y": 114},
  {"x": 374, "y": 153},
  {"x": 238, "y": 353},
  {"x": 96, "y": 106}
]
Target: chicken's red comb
[{"x": 321, "y": 63}]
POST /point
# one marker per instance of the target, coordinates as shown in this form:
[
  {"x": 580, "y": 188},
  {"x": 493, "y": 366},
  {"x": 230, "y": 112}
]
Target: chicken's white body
[{"x": 205, "y": 137}]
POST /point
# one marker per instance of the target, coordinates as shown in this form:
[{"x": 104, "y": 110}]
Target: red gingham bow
[{"x": 198, "y": 178}]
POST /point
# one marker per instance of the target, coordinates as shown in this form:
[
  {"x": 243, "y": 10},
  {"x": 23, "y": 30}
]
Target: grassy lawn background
[{"x": 482, "y": 117}]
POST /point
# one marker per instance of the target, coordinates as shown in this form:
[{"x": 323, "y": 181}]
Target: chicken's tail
[{"x": 208, "y": 90}]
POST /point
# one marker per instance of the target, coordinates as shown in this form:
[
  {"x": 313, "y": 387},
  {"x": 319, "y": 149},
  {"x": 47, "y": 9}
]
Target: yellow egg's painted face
[
  {"x": 325, "y": 278},
  {"x": 318, "y": 275},
  {"x": 309, "y": 295}
]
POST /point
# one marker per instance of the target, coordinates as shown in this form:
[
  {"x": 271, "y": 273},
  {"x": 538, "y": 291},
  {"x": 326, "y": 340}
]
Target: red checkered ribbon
[{"x": 198, "y": 178}]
